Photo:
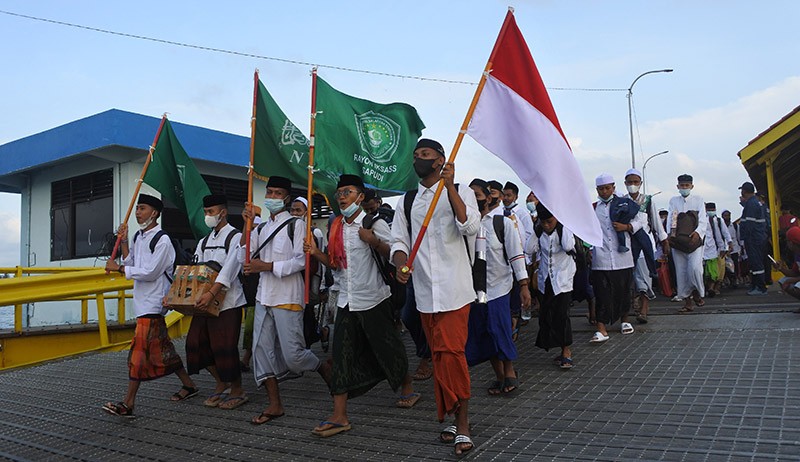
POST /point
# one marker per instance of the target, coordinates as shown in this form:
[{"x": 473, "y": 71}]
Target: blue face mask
[
  {"x": 274, "y": 205},
  {"x": 711, "y": 214},
  {"x": 685, "y": 192},
  {"x": 350, "y": 210},
  {"x": 606, "y": 201},
  {"x": 531, "y": 207}
]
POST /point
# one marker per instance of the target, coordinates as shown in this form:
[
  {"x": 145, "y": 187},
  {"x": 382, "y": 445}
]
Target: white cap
[
  {"x": 604, "y": 178},
  {"x": 633, "y": 171},
  {"x": 301, "y": 199}
]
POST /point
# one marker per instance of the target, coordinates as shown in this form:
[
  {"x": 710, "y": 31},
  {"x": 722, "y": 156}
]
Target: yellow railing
[{"x": 67, "y": 284}]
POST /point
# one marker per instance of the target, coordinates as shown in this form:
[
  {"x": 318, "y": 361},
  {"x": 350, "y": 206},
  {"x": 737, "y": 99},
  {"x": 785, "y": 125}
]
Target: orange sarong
[{"x": 447, "y": 336}]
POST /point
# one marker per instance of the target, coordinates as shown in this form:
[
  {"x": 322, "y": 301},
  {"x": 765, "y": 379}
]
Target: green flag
[
  {"x": 374, "y": 141},
  {"x": 173, "y": 174},
  {"x": 281, "y": 149}
]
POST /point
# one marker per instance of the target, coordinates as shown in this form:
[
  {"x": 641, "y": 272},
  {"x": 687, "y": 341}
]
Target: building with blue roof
[{"x": 76, "y": 182}]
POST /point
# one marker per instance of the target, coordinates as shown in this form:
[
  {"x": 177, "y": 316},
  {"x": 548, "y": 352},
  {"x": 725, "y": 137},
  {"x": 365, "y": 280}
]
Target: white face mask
[
  {"x": 146, "y": 224},
  {"x": 633, "y": 188},
  {"x": 212, "y": 220}
]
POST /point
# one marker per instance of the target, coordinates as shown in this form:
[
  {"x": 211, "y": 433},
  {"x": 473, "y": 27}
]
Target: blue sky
[{"x": 735, "y": 65}]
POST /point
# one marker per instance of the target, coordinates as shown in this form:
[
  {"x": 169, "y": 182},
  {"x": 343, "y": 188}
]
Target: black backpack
[
  {"x": 386, "y": 268},
  {"x": 182, "y": 257}
]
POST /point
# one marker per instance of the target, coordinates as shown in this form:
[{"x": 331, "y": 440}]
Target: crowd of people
[{"x": 485, "y": 261}]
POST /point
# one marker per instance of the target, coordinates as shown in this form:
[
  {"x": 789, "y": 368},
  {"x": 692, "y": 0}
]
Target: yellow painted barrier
[{"x": 23, "y": 347}]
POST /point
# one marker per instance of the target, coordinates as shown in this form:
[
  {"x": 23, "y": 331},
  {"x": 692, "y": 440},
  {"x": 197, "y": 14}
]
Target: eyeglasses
[{"x": 342, "y": 193}]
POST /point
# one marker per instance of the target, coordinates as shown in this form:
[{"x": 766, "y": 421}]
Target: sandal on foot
[
  {"x": 120, "y": 409},
  {"x": 448, "y": 435},
  {"x": 510, "y": 384},
  {"x": 265, "y": 417},
  {"x": 566, "y": 363},
  {"x": 495, "y": 388},
  {"x": 557, "y": 360},
  {"x": 626, "y": 328},
  {"x": 215, "y": 399},
  {"x": 515, "y": 334},
  {"x": 333, "y": 428},
  {"x": 408, "y": 401},
  {"x": 685, "y": 309},
  {"x": 190, "y": 391},
  {"x": 423, "y": 374},
  {"x": 641, "y": 318},
  {"x": 233, "y": 402},
  {"x": 463, "y": 439},
  {"x": 598, "y": 337}
]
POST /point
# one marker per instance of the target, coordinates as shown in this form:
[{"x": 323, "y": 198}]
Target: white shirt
[
  {"x": 229, "y": 274},
  {"x": 148, "y": 271},
  {"x": 284, "y": 284},
  {"x": 499, "y": 274},
  {"x": 606, "y": 257},
  {"x": 522, "y": 217},
  {"x": 733, "y": 232},
  {"x": 443, "y": 265},
  {"x": 554, "y": 261},
  {"x": 684, "y": 204},
  {"x": 361, "y": 284},
  {"x": 717, "y": 240},
  {"x": 657, "y": 229}
]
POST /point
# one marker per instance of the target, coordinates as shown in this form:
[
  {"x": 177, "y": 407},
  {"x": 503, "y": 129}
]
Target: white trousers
[{"x": 689, "y": 272}]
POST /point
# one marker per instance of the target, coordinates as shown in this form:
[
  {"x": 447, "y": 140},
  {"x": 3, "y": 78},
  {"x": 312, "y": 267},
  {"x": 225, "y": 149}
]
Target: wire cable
[{"x": 272, "y": 58}]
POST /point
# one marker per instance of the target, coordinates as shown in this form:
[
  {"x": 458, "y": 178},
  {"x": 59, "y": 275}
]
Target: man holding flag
[{"x": 442, "y": 280}]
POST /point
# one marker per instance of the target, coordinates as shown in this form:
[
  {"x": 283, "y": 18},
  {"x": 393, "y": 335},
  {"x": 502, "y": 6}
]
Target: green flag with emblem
[
  {"x": 281, "y": 149},
  {"x": 173, "y": 174},
  {"x": 371, "y": 140}
]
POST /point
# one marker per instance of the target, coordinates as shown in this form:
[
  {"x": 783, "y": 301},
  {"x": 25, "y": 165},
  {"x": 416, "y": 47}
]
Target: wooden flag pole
[
  {"x": 410, "y": 262},
  {"x": 248, "y": 224},
  {"x": 139, "y": 185},
  {"x": 309, "y": 236}
]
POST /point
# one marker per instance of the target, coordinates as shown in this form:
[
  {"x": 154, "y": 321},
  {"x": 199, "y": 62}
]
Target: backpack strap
[
  {"x": 408, "y": 202},
  {"x": 204, "y": 243},
  {"x": 155, "y": 240},
  {"x": 230, "y": 237},
  {"x": 500, "y": 231},
  {"x": 289, "y": 222}
]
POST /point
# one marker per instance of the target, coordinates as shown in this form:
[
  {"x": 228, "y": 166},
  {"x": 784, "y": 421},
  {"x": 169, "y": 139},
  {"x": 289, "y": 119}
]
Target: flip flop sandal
[
  {"x": 566, "y": 363},
  {"x": 190, "y": 391},
  {"x": 333, "y": 430},
  {"x": 451, "y": 433},
  {"x": 599, "y": 338},
  {"x": 495, "y": 388},
  {"x": 120, "y": 409},
  {"x": 685, "y": 310},
  {"x": 215, "y": 399},
  {"x": 235, "y": 401},
  {"x": 626, "y": 328},
  {"x": 265, "y": 415},
  {"x": 510, "y": 382},
  {"x": 408, "y": 401},
  {"x": 423, "y": 374},
  {"x": 463, "y": 439}
]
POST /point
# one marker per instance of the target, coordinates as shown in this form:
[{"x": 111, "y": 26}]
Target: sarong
[
  {"x": 215, "y": 342},
  {"x": 152, "y": 353},
  {"x": 247, "y": 336},
  {"x": 367, "y": 350},
  {"x": 279, "y": 349},
  {"x": 555, "y": 327},
  {"x": 490, "y": 332},
  {"x": 447, "y": 335},
  {"x": 612, "y": 291}
]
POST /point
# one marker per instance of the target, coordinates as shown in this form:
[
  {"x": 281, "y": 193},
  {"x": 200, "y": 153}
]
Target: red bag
[{"x": 663, "y": 278}]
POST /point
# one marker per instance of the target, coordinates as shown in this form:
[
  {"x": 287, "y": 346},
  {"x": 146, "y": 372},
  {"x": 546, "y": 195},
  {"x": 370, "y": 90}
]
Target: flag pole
[
  {"x": 139, "y": 184},
  {"x": 310, "y": 178},
  {"x": 248, "y": 225},
  {"x": 457, "y": 145}
]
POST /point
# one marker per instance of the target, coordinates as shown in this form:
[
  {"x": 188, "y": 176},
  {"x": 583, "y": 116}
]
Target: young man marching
[
  {"x": 279, "y": 350},
  {"x": 213, "y": 342},
  {"x": 367, "y": 348},
  {"x": 148, "y": 261},
  {"x": 442, "y": 280}
]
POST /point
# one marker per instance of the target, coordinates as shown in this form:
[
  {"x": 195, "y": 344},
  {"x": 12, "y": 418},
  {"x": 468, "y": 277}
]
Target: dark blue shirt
[{"x": 754, "y": 221}]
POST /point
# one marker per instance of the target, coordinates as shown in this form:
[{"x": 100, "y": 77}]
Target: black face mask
[
  {"x": 494, "y": 201},
  {"x": 424, "y": 167},
  {"x": 481, "y": 204}
]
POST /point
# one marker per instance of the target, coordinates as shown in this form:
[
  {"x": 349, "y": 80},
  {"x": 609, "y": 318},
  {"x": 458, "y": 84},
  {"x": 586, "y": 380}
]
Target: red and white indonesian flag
[{"x": 514, "y": 119}]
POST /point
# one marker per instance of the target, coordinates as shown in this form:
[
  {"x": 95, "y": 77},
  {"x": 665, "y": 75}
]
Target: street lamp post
[
  {"x": 644, "y": 169},
  {"x": 630, "y": 108}
]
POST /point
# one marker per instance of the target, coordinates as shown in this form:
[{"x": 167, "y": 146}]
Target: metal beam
[{"x": 14, "y": 291}]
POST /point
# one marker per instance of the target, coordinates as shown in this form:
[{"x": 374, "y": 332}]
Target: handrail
[{"x": 40, "y": 269}]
